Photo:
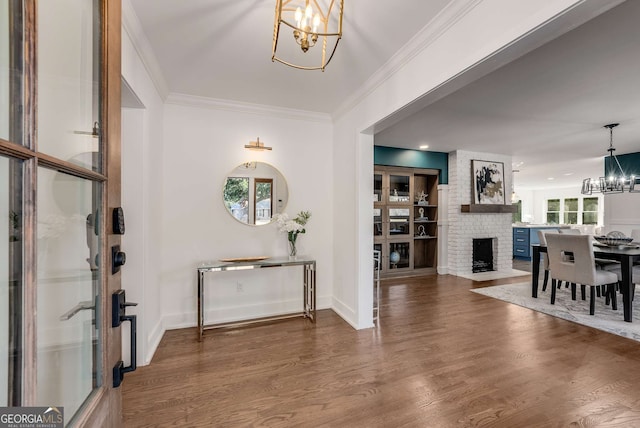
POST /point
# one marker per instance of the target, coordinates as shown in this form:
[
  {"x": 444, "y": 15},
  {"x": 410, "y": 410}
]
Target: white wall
[
  {"x": 329, "y": 171},
  {"x": 466, "y": 39},
  {"x": 142, "y": 201},
  {"x": 205, "y": 142},
  {"x": 623, "y": 212}
]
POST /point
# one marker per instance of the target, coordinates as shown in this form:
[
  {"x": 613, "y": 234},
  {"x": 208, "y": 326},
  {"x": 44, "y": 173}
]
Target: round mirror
[{"x": 255, "y": 191}]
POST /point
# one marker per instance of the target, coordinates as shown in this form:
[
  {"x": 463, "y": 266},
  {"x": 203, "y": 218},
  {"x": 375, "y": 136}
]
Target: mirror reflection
[{"x": 255, "y": 191}]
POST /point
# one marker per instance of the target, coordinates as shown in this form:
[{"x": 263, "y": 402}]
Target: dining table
[{"x": 625, "y": 254}]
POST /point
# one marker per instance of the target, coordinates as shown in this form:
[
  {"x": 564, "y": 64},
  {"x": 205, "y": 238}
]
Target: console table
[{"x": 309, "y": 290}]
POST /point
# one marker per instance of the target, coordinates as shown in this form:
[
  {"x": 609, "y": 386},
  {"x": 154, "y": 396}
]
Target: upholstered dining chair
[
  {"x": 545, "y": 256},
  {"x": 581, "y": 270},
  {"x": 568, "y": 231},
  {"x": 635, "y": 276}
]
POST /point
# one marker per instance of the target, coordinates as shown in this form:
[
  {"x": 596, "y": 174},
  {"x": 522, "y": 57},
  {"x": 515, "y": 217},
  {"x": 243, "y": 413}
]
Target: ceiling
[
  {"x": 222, "y": 49},
  {"x": 546, "y": 108}
]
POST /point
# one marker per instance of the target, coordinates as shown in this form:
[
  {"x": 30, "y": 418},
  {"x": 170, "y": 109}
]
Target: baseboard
[
  {"x": 189, "y": 319},
  {"x": 346, "y": 313},
  {"x": 154, "y": 341}
]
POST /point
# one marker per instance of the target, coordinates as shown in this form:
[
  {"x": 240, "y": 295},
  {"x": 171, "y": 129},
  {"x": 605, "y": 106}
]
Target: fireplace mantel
[{"x": 487, "y": 208}]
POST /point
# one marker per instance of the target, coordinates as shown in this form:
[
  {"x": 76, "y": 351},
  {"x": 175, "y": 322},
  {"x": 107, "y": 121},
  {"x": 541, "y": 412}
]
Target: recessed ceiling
[
  {"x": 548, "y": 108},
  {"x": 222, "y": 49}
]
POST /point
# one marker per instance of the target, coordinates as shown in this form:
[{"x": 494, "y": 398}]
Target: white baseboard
[
  {"x": 346, "y": 313},
  {"x": 154, "y": 341}
]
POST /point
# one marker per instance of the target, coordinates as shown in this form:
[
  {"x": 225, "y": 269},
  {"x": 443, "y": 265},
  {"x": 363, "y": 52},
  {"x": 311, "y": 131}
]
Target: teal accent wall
[
  {"x": 630, "y": 164},
  {"x": 392, "y": 156}
]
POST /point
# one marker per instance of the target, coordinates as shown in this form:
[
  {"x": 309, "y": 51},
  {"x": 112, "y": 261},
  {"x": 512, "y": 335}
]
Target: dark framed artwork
[{"x": 487, "y": 180}]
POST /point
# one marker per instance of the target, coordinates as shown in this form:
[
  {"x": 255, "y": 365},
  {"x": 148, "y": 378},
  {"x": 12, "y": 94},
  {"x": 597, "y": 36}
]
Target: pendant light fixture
[
  {"x": 316, "y": 29},
  {"x": 616, "y": 181}
]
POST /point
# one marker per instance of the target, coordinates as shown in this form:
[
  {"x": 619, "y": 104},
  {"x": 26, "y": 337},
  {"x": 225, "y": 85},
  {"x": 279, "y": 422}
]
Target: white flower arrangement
[{"x": 292, "y": 227}]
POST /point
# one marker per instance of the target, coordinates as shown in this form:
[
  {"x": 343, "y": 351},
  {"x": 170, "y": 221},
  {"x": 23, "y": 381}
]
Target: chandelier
[
  {"x": 310, "y": 24},
  {"x": 616, "y": 181}
]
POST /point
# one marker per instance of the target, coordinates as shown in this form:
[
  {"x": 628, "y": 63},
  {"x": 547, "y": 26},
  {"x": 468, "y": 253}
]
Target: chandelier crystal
[
  {"x": 311, "y": 23},
  {"x": 616, "y": 181}
]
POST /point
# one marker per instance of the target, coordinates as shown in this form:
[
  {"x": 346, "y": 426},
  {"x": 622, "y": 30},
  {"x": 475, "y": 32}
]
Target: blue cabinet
[{"x": 524, "y": 238}]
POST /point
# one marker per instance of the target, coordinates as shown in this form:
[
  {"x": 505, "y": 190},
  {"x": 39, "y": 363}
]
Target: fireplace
[{"x": 483, "y": 257}]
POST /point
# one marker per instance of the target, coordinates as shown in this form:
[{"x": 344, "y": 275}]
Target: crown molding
[
  {"x": 440, "y": 24},
  {"x": 242, "y": 107},
  {"x": 132, "y": 26}
]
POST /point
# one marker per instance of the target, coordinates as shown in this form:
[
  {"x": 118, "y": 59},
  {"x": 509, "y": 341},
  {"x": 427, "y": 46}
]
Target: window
[
  {"x": 571, "y": 211},
  {"x": 590, "y": 211},
  {"x": 517, "y": 216},
  {"x": 553, "y": 211}
]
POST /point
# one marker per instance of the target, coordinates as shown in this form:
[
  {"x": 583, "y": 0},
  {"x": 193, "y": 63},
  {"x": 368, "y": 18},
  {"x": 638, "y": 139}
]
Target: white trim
[
  {"x": 444, "y": 20},
  {"x": 153, "y": 342},
  {"x": 347, "y": 314},
  {"x": 242, "y": 107},
  {"x": 132, "y": 26}
]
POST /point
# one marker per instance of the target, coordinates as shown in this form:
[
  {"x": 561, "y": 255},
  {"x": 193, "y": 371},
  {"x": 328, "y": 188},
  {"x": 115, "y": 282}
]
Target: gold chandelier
[{"x": 310, "y": 23}]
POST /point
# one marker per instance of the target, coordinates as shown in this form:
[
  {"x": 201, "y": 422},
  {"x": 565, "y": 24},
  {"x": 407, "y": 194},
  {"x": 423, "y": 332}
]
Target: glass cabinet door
[
  {"x": 399, "y": 255},
  {"x": 377, "y": 187},
  {"x": 399, "y": 221},
  {"x": 377, "y": 222},
  {"x": 399, "y": 188}
]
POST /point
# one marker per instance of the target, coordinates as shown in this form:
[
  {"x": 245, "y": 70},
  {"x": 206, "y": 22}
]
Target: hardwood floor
[{"x": 441, "y": 357}]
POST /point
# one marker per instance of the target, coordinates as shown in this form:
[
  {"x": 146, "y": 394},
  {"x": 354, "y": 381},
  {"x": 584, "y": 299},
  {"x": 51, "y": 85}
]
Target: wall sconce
[{"x": 256, "y": 145}]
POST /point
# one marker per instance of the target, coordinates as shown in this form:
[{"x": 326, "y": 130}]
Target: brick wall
[{"x": 463, "y": 227}]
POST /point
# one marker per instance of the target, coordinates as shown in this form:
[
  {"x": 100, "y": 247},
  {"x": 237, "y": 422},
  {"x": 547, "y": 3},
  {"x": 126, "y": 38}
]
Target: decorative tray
[
  {"x": 245, "y": 259},
  {"x": 613, "y": 242}
]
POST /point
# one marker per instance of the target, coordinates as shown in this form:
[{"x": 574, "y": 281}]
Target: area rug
[{"x": 577, "y": 310}]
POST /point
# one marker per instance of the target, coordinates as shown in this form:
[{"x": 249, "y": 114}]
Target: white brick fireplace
[{"x": 464, "y": 227}]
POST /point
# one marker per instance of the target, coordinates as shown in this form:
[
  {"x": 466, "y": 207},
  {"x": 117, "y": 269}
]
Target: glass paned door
[
  {"x": 5, "y": 93},
  {"x": 69, "y": 80},
  {"x": 68, "y": 289},
  {"x": 11, "y": 282}
]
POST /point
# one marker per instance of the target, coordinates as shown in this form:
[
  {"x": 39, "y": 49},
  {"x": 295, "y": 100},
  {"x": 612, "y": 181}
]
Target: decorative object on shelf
[
  {"x": 488, "y": 182},
  {"x": 615, "y": 182},
  {"x": 293, "y": 227},
  {"x": 421, "y": 231},
  {"x": 256, "y": 145},
  {"x": 421, "y": 214},
  {"x": 310, "y": 24},
  {"x": 394, "y": 257},
  {"x": 422, "y": 198}
]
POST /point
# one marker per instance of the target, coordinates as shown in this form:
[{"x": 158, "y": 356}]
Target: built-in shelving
[{"x": 406, "y": 220}]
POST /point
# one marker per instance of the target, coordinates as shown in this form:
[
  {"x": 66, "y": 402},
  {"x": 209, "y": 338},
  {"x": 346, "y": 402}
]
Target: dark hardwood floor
[{"x": 441, "y": 357}]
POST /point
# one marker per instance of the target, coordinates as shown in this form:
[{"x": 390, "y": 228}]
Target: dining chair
[
  {"x": 569, "y": 231},
  {"x": 635, "y": 276},
  {"x": 579, "y": 270},
  {"x": 545, "y": 256}
]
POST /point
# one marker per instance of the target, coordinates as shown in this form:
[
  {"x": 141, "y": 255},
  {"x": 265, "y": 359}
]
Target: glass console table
[{"x": 309, "y": 288}]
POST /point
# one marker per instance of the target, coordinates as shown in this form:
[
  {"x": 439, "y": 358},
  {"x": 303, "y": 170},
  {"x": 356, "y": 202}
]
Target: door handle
[
  {"x": 118, "y": 316},
  {"x": 77, "y": 308}
]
